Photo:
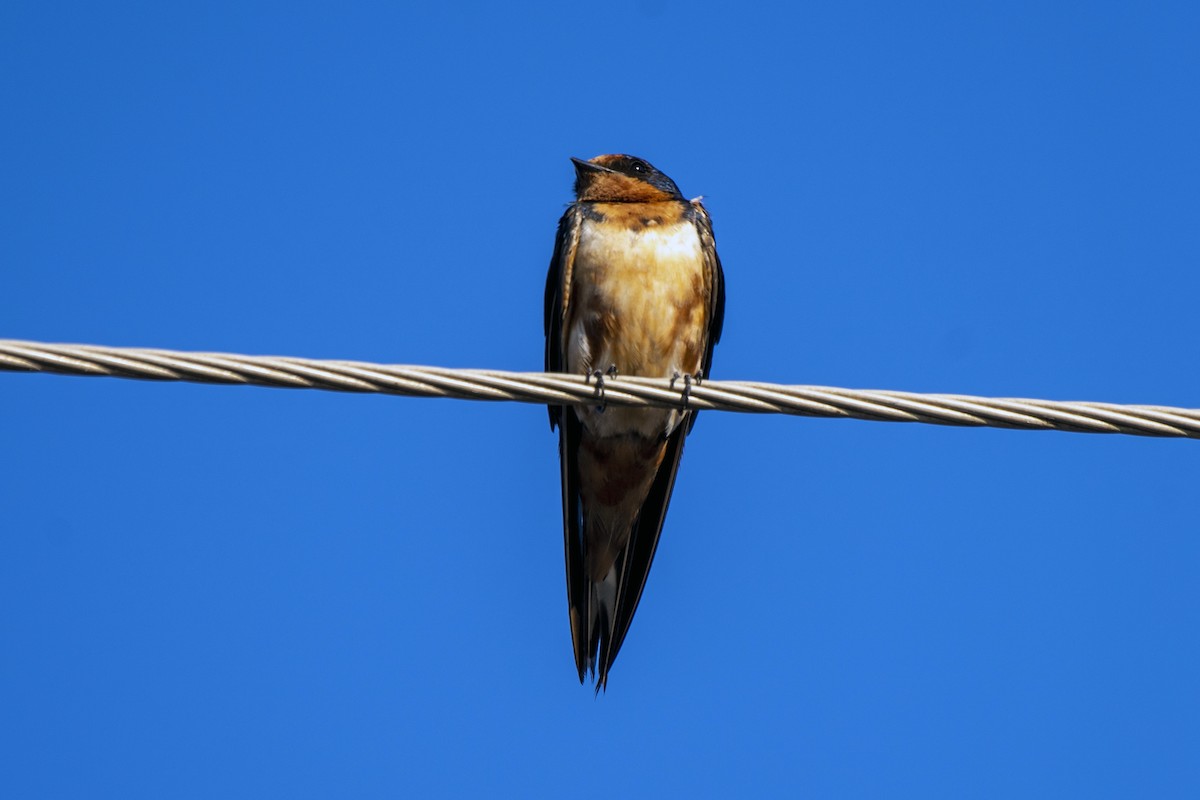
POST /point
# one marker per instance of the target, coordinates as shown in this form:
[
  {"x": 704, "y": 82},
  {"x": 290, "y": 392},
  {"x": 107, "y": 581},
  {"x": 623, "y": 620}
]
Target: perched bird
[{"x": 635, "y": 288}]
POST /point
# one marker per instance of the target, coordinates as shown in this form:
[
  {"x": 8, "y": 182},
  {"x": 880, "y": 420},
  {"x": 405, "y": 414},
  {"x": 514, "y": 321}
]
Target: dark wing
[
  {"x": 639, "y": 552},
  {"x": 715, "y": 278},
  {"x": 558, "y": 283},
  {"x": 578, "y": 587},
  {"x": 716, "y": 283}
]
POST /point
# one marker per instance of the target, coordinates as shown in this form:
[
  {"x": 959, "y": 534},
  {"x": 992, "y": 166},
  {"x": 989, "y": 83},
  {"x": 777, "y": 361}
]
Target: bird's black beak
[{"x": 582, "y": 167}]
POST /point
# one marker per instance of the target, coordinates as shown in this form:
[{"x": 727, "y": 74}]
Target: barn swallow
[{"x": 635, "y": 288}]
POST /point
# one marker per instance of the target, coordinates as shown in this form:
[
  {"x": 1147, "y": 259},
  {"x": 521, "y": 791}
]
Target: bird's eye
[{"x": 638, "y": 166}]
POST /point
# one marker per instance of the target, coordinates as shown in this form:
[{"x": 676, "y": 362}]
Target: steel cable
[{"x": 562, "y": 389}]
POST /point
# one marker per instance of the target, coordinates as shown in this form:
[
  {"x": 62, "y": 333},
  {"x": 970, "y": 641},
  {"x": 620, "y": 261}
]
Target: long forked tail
[{"x": 602, "y": 611}]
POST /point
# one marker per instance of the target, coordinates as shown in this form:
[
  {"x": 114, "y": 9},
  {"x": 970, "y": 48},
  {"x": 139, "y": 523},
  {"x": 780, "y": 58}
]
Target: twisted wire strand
[{"x": 563, "y": 389}]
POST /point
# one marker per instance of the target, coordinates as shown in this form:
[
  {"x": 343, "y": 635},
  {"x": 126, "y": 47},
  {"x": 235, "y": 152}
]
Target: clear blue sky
[{"x": 228, "y": 592}]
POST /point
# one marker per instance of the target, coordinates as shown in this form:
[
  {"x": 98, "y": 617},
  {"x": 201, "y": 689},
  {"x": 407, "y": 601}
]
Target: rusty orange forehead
[{"x": 607, "y": 160}]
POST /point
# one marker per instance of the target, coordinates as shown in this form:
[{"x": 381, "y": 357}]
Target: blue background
[{"x": 213, "y": 591}]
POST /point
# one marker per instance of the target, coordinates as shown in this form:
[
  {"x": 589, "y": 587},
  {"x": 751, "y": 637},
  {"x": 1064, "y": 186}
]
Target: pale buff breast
[{"x": 639, "y": 303}]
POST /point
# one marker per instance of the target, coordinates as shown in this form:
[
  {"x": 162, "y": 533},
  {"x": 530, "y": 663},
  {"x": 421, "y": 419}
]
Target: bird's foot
[
  {"x": 611, "y": 372},
  {"x": 688, "y": 380}
]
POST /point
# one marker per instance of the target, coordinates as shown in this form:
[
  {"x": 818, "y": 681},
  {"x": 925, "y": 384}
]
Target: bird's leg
[
  {"x": 688, "y": 380},
  {"x": 611, "y": 372},
  {"x": 687, "y": 384}
]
